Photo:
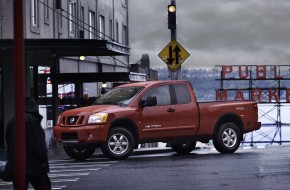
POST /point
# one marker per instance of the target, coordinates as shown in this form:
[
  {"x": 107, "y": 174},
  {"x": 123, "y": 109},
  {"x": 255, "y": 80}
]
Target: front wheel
[
  {"x": 228, "y": 138},
  {"x": 183, "y": 147},
  {"x": 79, "y": 153},
  {"x": 119, "y": 145}
]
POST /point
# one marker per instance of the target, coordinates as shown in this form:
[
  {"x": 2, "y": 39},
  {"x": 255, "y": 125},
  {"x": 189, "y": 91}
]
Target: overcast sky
[{"x": 214, "y": 32}]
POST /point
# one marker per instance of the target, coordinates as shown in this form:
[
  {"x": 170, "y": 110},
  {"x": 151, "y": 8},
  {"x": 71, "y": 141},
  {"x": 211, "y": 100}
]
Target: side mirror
[
  {"x": 150, "y": 101},
  {"x": 142, "y": 103}
]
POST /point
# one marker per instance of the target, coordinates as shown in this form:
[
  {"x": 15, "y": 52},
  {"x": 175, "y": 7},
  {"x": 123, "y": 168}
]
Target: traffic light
[{"x": 171, "y": 9}]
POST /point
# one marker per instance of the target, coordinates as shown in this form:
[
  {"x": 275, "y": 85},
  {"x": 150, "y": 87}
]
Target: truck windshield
[{"x": 119, "y": 96}]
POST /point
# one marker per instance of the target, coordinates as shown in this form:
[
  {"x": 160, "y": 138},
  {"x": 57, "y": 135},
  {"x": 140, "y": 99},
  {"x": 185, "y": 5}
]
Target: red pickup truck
[{"x": 155, "y": 111}]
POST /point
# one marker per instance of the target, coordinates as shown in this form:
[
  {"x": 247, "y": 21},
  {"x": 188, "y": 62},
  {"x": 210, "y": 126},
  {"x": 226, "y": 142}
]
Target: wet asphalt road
[
  {"x": 204, "y": 169},
  {"x": 251, "y": 169}
]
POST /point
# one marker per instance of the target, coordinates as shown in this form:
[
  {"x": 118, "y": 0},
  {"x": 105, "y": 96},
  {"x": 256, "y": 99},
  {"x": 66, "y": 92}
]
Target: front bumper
[{"x": 84, "y": 134}]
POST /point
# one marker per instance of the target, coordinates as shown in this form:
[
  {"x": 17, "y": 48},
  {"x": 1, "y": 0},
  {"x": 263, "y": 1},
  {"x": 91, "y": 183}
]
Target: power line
[{"x": 95, "y": 33}]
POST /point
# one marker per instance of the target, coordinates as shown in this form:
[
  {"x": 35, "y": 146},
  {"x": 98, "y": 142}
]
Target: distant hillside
[{"x": 202, "y": 80}]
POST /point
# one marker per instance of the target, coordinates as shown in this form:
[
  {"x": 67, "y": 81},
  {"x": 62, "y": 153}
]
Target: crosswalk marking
[
  {"x": 79, "y": 166},
  {"x": 63, "y": 172},
  {"x": 82, "y": 163},
  {"x": 5, "y": 183},
  {"x": 75, "y": 170},
  {"x": 64, "y": 180},
  {"x": 58, "y": 187},
  {"x": 87, "y": 160},
  {"x": 68, "y": 175}
]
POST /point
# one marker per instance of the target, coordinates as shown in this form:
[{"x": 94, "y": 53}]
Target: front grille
[
  {"x": 69, "y": 136},
  {"x": 72, "y": 120}
]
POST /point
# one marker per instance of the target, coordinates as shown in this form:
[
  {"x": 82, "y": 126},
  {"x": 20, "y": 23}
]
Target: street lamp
[
  {"x": 82, "y": 57},
  {"x": 104, "y": 85}
]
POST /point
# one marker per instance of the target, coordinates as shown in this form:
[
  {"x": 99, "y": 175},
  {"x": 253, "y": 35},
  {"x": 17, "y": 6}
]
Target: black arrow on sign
[
  {"x": 170, "y": 59},
  {"x": 177, "y": 50}
]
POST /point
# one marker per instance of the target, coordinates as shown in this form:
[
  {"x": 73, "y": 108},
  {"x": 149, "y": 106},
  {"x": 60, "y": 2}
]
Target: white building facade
[{"x": 60, "y": 23}]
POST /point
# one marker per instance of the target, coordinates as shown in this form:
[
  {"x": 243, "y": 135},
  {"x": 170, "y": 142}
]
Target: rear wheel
[
  {"x": 183, "y": 147},
  {"x": 228, "y": 138},
  {"x": 120, "y": 144},
  {"x": 79, "y": 153}
]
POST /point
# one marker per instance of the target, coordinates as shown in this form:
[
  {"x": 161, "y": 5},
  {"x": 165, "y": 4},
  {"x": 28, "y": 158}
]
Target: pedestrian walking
[{"x": 37, "y": 167}]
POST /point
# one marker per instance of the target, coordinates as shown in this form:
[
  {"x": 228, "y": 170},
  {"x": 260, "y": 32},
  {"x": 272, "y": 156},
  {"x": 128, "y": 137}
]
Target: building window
[
  {"x": 46, "y": 12},
  {"x": 72, "y": 19},
  {"x": 34, "y": 19},
  {"x": 92, "y": 25},
  {"x": 82, "y": 24},
  {"x": 117, "y": 32},
  {"x": 111, "y": 30},
  {"x": 124, "y": 3},
  {"x": 34, "y": 13},
  {"x": 59, "y": 19},
  {"x": 124, "y": 35},
  {"x": 102, "y": 27}
]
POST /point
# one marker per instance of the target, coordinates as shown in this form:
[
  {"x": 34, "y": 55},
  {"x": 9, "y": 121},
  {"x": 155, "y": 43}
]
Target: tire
[
  {"x": 79, "y": 153},
  {"x": 227, "y": 138},
  {"x": 119, "y": 145},
  {"x": 183, "y": 147}
]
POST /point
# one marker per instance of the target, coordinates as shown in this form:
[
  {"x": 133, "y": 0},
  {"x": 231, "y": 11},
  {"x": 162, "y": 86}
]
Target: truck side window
[
  {"x": 162, "y": 94},
  {"x": 182, "y": 94}
]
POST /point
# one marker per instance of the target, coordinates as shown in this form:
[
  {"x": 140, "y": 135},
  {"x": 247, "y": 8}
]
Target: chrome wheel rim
[
  {"x": 229, "y": 138},
  {"x": 79, "y": 150},
  {"x": 185, "y": 144},
  {"x": 118, "y": 143}
]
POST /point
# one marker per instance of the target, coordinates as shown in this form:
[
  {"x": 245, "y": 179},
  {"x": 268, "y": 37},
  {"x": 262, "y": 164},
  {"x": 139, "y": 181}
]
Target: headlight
[
  {"x": 58, "y": 120},
  {"x": 98, "y": 118}
]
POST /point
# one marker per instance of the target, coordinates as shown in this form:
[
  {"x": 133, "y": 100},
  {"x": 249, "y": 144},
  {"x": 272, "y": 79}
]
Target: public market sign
[{"x": 268, "y": 92}]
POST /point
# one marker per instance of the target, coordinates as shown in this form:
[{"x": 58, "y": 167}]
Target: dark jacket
[{"x": 36, "y": 151}]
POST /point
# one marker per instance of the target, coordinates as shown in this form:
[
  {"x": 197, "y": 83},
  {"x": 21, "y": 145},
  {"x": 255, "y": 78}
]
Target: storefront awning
[
  {"x": 92, "y": 77},
  {"x": 69, "y": 47},
  {"x": 98, "y": 77}
]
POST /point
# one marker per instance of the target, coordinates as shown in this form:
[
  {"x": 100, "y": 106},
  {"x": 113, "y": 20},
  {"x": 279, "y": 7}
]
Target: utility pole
[
  {"x": 173, "y": 75},
  {"x": 173, "y": 55},
  {"x": 19, "y": 69}
]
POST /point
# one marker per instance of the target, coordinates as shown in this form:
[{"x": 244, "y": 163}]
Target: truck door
[
  {"x": 159, "y": 120},
  {"x": 186, "y": 110}
]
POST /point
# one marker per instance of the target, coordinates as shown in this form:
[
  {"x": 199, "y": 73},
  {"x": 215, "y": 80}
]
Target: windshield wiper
[
  {"x": 109, "y": 103},
  {"x": 121, "y": 103}
]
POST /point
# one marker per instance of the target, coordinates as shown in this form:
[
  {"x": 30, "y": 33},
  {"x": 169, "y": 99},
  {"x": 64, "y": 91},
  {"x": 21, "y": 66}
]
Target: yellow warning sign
[{"x": 173, "y": 55}]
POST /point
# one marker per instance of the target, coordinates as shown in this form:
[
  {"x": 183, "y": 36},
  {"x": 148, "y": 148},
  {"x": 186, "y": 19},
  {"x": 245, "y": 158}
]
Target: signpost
[{"x": 173, "y": 55}]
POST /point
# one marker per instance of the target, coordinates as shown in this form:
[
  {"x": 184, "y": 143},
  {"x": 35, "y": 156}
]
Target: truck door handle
[{"x": 170, "y": 110}]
